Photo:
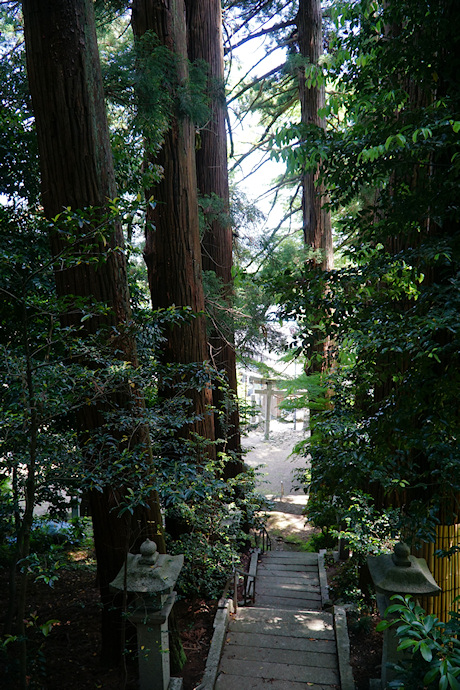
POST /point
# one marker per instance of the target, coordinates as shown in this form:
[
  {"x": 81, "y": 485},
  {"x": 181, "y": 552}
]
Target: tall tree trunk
[
  {"x": 172, "y": 238},
  {"x": 77, "y": 172},
  {"x": 316, "y": 219},
  {"x": 204, "y": 26},
  {"x": 419, "y": 179}
]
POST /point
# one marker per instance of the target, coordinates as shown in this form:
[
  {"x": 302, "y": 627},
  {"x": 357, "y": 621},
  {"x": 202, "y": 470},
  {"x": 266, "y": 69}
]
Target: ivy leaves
[{"x": 433, "y": 645}]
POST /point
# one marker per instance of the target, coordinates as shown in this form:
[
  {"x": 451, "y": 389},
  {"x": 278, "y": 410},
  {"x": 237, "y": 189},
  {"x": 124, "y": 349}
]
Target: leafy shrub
[
  {"x": 36, "y": 634},
  {"x": 366, "y": 529},
  {"x": 207, "y": 565},
  {"x": 46, "y": 532},
  {"x": 50, "y": 542},
  {"x": 215, "y": 518},
  {"x": 323, "y": 540},
  {"x": 434, "y": 647},
  {"x": 359, "y": 623},
  {"x": 6, "y": 521},
  {"x": 345, "y": 586}
]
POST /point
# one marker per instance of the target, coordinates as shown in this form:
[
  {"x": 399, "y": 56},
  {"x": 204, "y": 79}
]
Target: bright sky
[{"x": 257, "y": 184}]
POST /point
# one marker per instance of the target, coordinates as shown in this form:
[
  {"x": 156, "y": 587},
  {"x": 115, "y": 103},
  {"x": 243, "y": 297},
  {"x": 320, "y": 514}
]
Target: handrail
[
  {"x": 249, "y": 579},
  {"x": 263, "y": 536},
  {"x": 248, "y": 586}
]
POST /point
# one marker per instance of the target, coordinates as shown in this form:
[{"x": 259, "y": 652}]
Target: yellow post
[{"x": 446, "y": 571}]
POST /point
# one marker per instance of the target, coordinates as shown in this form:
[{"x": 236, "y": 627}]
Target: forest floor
[{"x": 68, "y": 659}]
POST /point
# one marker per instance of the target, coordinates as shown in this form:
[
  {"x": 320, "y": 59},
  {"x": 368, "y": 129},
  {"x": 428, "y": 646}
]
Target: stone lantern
[
  {"x": 150, "y": 578},
  {"x": 397, "y": 573}
]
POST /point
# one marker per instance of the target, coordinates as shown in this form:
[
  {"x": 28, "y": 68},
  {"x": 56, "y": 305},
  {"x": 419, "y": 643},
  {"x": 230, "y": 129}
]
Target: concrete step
[
  {"x": 303, "y": 557},
  {"x": 287, "y": 568},
  {"x": 270, "y": 641},
  {"x": 265, "y": 575},
  {"x": 282, "y": 648},
  {"x": 307, "y": 624},
  {"x": 304, "y": 604},
  {"x": 239, "y": 682},
  {"x": 288, "y": 589},
  {"x": 288, "y": 580},
  {"x": 282, "y": 656},
  {"x": 270, "y": 671},
  {"x": 275, "y": 601}
]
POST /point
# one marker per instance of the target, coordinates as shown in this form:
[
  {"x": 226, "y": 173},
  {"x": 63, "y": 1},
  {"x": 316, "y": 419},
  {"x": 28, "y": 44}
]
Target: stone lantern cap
[
  {"x": 149, "y": 573},
  {"x": 401, "y": 573}
]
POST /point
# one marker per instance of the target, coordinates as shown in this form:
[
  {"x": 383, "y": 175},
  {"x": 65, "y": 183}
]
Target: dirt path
[
  {"x": 277, "y": 469},
  {"x": 274, "y": 459}
]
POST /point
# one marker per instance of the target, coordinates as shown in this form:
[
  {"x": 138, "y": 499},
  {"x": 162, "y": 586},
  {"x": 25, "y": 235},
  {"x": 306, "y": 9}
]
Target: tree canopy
[{"x": 119, "y": 351}]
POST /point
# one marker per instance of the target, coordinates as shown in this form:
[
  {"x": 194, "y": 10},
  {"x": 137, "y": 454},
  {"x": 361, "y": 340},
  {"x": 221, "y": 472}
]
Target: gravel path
[
  {"x": 275, "y": 460},
  {"x": 277, "y": 479}
]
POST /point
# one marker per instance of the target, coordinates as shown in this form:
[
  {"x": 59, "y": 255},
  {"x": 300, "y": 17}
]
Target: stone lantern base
[
  {"x": 403, "y": 574},
  {"x": 149, "y": 579}
]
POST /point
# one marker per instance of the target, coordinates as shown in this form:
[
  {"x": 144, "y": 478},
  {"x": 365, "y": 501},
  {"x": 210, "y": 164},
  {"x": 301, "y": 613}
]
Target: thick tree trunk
[
  {"x": 172, "y": 239},
  {"x": 204, "y": 26},
  {"x": 420, "y": 180},
  {"x": 77, "y": 172},
  {"x": 316, "y": 219}
]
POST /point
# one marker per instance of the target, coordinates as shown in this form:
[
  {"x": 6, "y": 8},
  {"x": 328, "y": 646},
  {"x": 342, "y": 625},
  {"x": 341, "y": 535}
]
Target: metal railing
[
  {"x": 262, "y": 540},
  {"x": 263, "y": 543},
  {"x": 248, "y": 588},
  {"x": 249, "y": 583}
]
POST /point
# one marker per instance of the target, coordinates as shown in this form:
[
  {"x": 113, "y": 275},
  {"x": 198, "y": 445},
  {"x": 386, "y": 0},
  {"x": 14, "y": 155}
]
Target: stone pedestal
[
  {"x": 397, "y": 573},
  {"x": 150, "y": 578},
  {"x": 153, "y": 646}
]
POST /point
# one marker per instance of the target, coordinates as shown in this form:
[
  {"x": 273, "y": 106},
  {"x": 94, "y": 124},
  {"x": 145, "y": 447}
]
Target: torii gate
[{"x": 269, "y": 391}]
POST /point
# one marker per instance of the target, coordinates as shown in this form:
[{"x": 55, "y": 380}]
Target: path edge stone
[
  {"x": 343, "y": 648},
  {"x": 324, "y": 587},
  {"x": 221, "y": 620}
]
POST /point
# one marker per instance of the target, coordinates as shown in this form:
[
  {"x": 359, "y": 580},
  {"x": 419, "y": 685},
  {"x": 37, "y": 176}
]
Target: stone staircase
[{"x": 285, "y": 641}]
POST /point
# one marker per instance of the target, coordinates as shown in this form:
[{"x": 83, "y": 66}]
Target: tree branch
[{"x": 263, "y": 32}]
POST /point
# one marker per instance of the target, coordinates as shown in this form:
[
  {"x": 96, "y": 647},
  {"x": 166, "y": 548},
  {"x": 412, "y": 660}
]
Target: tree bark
[
  {"x": 172, "y": 237},
  {"x": 77, "y": 172},
  {"x": 316, "y": 219},
  {"x": 204, "y": 27}
]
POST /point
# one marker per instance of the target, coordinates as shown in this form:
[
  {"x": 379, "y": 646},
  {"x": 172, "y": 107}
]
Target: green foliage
[
  {"x": 36, "y": 634},
  {"x": 71, "y": 534},
  {"x": 31, "y": 342},
  {"x": 345, "y": 587},
  {"x": 256, "y": 323},
  {"x": 188, "y": 485},
  {"x": 215, "y": 518},
  {"x": 391, "y": 309},
  {"x": 434, "y": 647},
  {"x": 218, "y": 306},
  {"x": 144, "y": 91},
  {"x": 360, "y": 623},
  {"x": 18, "y": 145},
  {"x": 364, "y": 528},
  {"x": 207, "y": 564},
  {"x": 49, "y": 372},
  {"x": 41, "y": 392},
  {"x": 322, "y": 540}
]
